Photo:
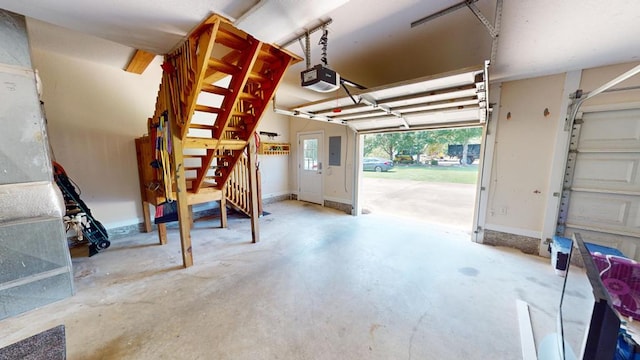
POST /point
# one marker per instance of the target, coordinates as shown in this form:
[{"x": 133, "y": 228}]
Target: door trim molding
[
  {"x": 483, "y": 187},
  {"x": 558, "y": 163}
]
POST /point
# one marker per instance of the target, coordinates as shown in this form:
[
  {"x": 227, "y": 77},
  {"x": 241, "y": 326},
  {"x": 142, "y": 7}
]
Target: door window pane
[{"x": 310, "y": 154}]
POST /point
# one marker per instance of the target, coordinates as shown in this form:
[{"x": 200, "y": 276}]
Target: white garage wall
[
  {"x": 94, "y": 114},
  {"x": 525, "y": 153},
  {"x": 338, "y": 180},
  {"x": 524, "y": 145},
  {"x": 274, "y": 169},
  {"x": 594, "y": 78}
]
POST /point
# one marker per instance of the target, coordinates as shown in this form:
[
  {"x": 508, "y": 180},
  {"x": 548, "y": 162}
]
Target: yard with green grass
[{"x": 440, "y": 174}]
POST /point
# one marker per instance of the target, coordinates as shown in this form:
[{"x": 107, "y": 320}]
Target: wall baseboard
[
  {"x": 276, "y": 198},
  {"x": 124, "y": 231},
  {"x": 526, "y": 244},
  {"x": 128, "y": 230},
  {"x": 347, "y": 208}
]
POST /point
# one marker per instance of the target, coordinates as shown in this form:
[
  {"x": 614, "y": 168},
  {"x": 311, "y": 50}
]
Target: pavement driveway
[{"x": 442, "y": 203}]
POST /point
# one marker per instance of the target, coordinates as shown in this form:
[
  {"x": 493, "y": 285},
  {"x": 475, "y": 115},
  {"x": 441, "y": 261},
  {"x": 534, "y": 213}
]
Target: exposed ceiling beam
[{"x": 140, "y": 61}]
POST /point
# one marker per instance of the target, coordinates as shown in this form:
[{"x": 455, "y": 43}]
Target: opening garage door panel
[
  {"x": 446, "y": 100},
  {"x": 627, "y": 244},
  {"x": 610, "y": 131},
  {"x": 604, "y": 201},
  {"x": 606, "y": 212},
  {"x": 607, "y": 172}
]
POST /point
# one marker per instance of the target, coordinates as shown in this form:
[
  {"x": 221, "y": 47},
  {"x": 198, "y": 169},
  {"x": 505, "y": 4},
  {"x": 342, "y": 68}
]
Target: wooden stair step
[
  {"x": 203, "y": 156},
  {"x": 255, "y": 76},
  {"x": 209, "y": 109},
  {"x": 199, "y": 143},
  {"x": 241, "y": 114},
  {"x": 246, "y": 96},
  {"x": 201, "y": 126},
  {"x": 211, "y": 127},
  {"x": 233, "y": 144},
  {"x": 206, "y": 143},
  {"x": 214, "y": 89},
  {"x": 265, "y": 55},
  {"x": 223, "y": 66},
  {"x": 231, "y": 40},
  {"x": 233, "y": 128}
]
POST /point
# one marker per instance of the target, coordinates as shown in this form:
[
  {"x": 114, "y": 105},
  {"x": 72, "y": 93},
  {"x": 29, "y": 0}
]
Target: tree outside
[
  {"x": 463, "y": 137},
  {"x": 417, "y": 143}
]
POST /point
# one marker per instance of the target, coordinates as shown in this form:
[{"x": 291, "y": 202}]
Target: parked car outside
[{"x": 376, "y": 164}]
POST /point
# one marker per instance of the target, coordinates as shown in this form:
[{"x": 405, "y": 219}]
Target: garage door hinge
[{"x": 482, "y": 188}]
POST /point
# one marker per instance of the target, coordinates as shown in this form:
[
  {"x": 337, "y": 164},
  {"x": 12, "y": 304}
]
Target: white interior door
[{"x": 310, "y": 162}]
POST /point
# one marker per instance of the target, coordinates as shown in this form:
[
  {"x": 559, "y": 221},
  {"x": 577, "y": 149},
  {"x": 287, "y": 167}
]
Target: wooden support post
[
  {"x": 184, "y": 215},
  {"x": 177, "y": 157},
  {"x": 162, "y": 233},
  {"x": 259, "y": 182},
  {"x": 190, "y": 216},
  {"x": 146, "y": 215},
  {"x": 253, "y": 189},
  {"x": 223, "y": 207}
]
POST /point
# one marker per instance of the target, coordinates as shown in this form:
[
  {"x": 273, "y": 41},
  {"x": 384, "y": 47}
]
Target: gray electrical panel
[{"x": 335, "y": 150}]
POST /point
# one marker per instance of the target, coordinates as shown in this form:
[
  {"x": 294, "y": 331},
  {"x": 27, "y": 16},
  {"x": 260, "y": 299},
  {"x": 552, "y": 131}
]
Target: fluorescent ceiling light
[{"x": 273, "y": 20}]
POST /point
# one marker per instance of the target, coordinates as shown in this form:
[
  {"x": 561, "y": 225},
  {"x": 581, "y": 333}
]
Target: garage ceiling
[
  {"x": 446, "y": 100},
  {"x": 370, "y": 42}
]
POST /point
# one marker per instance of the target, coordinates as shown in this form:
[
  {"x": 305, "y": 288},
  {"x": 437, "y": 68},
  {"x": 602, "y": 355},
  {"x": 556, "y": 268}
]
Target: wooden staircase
[
  {"x": 215, "y": 88},
  {"x": 220, "y": 83}
]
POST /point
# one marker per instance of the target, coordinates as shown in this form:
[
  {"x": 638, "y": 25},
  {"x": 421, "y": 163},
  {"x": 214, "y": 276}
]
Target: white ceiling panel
[{"x": 370, "y": 41}]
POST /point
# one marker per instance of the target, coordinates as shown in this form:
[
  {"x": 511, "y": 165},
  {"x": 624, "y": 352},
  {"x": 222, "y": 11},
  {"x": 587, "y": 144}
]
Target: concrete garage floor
[{"x": 320, "y": 285}]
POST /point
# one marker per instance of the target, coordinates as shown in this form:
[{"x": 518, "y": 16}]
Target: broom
[{"x": 166, "y": 211}]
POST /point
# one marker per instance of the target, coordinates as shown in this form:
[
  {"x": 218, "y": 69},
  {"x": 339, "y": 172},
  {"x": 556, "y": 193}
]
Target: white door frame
[
  {"x": 483, "y": 185},
  {"x": 321, "y": 161},
  {"x": 484, "y": 174},
  {"x": 358, "y": 154},
  {"x": 558, "y": 163}
]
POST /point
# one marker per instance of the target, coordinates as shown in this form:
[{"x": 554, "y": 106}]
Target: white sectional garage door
[
  {"x": 604, "y": 199},
  {"x": 454, "y": 99}
]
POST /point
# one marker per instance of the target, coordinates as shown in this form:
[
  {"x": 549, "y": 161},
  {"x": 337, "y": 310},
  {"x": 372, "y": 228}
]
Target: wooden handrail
[{"x": 237, "y": 190}]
